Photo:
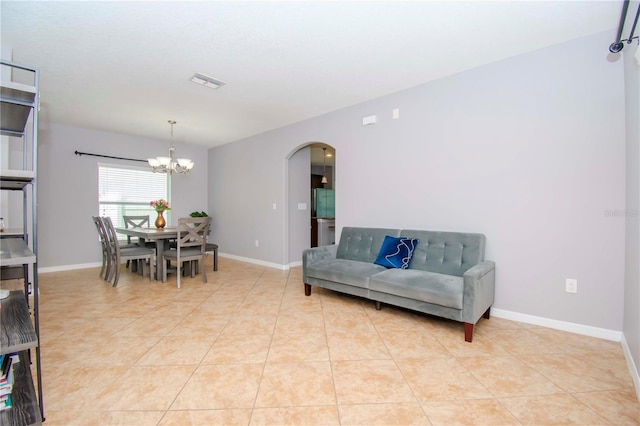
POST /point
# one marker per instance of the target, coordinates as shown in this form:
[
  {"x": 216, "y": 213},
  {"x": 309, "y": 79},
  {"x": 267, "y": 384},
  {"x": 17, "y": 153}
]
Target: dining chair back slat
[
  {"x": 135, "y": 222},
  {"x": 105, "y": 271},
  {"x": 119, "y": 254}
]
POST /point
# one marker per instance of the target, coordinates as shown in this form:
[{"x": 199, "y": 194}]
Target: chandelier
[{"x": 170, "y": 164}]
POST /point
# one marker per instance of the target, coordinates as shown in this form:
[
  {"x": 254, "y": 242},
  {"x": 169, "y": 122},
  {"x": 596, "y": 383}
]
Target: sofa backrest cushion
[
  {"x": 362, "y": 244},
  {"x": 450, "y": 253}
]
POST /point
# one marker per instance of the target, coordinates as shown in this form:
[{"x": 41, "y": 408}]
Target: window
[{"x": 128, "y": 191}]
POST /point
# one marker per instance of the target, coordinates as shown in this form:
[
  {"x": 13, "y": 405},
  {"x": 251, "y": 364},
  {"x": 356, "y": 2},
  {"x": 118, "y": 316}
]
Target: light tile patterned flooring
[{"x": 248, "y": 348}]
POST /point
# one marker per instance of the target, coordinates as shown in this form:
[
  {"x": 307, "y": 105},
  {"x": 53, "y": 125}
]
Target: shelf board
[
  {"x": 16, "y": 329},
  {"x": 25, "y": 409},
  {"x": 14, "y": 118},
  {"x": 16, "y": 179},
  {"x": 11, "y": 91},
  {"x": 14, "y": 251},
  {"x": 12, "y": 233},
  {"x": 11, "y": 273},
  {"x": 17, "y": 101}
]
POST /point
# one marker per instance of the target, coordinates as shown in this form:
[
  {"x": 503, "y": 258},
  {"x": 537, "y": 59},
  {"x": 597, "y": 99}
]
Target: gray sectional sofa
[{"x": 447, "y": 275}]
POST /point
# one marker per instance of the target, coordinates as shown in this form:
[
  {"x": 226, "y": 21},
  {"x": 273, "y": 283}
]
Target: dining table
[{"x": 161, "y": 236}]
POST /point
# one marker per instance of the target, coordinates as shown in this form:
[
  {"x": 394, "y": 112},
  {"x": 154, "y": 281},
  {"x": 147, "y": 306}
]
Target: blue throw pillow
[{"x": 396, "y": 252}]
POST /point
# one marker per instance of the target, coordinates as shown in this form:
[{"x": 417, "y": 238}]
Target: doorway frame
[{"x": 287, "y": 201}]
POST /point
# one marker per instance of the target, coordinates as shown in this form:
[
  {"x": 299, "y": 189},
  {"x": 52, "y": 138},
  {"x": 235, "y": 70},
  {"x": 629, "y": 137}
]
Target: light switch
[{"x": 302, "y": 206}]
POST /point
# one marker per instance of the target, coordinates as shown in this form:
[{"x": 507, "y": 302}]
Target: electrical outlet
[
  {"x": 372, "y": 119},
  {"x": 257, "y": 243},
  {"x": 571, "y": 285}
]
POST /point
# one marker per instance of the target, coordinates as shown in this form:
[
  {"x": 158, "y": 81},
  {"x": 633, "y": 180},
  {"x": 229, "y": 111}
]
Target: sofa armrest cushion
[
  {"x": 316, "y": 254},
  {"x": 479, "y": 290}
]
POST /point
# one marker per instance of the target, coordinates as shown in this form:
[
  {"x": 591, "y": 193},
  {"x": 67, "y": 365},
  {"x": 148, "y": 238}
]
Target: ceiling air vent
[{"x": 207, "y": 81}]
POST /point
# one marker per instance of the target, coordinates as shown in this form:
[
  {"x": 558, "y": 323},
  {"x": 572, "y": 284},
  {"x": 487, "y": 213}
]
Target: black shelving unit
[{"x": 19, "y": 316}]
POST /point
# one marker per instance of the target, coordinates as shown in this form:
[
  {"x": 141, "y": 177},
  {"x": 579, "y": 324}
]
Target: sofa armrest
[
  {"x": 479, "y": 290},
  {"x": 317, "y": 254}
]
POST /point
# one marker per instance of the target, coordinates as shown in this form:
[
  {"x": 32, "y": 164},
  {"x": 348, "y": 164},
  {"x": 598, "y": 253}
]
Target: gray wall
[
  {"x": 299, "y": 221},
  {"x": 529, "y": 151},
  {"x": 631, "y": 326},
  {"x": 68, "y": 188},
  {"x": 245, "y": 180}
]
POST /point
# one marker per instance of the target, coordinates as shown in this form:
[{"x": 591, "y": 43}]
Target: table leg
[
  {"x": 135, "y": 263},
  {"x": 161, "y": 244},
  {"x": 159, "y": 252}
]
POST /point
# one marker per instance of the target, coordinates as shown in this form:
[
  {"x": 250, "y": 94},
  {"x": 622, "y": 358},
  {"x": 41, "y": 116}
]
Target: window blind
[{"x": 128, "y": 191}]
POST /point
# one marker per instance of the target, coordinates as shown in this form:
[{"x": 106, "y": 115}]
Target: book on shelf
[
  {"x": 5, "y": 402},
  {"x": 7, "y": 387},
  {"x": 6, "y": 378},
  {"x": 5, "y": 365}
]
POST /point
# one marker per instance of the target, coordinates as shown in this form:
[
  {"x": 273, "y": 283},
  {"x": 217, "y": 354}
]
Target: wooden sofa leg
[
  {"x": 487, "y": 314},
  {"x": 378, "y": 305},
  {"x": 307, "y": 289},
  {"x": 468, "y": 332}
]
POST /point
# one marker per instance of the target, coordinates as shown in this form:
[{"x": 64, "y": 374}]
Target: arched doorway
[
  {"x": 322, "y": 195},
  {"x": 310, "y": 177}
]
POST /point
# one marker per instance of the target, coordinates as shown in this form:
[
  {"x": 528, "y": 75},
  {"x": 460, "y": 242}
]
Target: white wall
[
  {"x": 631, "y": 325},
  {"x": 68, "y": 188},
  {"x": 529, "y": 151},
  {"x": 12, "y": 157},
  {"x": 14, "y": 151}
]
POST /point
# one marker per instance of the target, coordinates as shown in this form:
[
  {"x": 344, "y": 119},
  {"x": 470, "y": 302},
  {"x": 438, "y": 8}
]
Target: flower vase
[{"x": 160, "y": 222}]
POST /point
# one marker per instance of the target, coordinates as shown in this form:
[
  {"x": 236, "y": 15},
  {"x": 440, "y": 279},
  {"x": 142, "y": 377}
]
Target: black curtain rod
[
  {"x": 617, "y": 45},
  {"x": 108, "y": 156},
  {"x": 633, "y": 28}
]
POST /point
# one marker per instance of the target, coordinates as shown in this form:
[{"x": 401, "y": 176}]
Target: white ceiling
[{"x": 125, "y": 66}]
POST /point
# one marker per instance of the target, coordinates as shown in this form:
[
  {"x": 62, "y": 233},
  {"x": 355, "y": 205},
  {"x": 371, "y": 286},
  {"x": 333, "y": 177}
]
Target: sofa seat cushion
[
  {"x": 430, "y": 287},
  {"x": 344, "y": 271}
]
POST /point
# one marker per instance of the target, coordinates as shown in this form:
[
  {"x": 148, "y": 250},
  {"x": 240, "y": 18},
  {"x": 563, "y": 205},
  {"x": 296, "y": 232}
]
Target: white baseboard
[
  {"x": 255, "y": 261},
  {"x": 295, "y": 264},
  {"x": 68, "y": 267},
  {"x": 633, "y": 368},
  {"x": 44, "y": 270},
  {"x": 585, "y": 330}
]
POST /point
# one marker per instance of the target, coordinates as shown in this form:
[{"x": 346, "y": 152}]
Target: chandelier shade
[
  {"x": 324, "y": 166},
  {"x": 169, "y": 164}
]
